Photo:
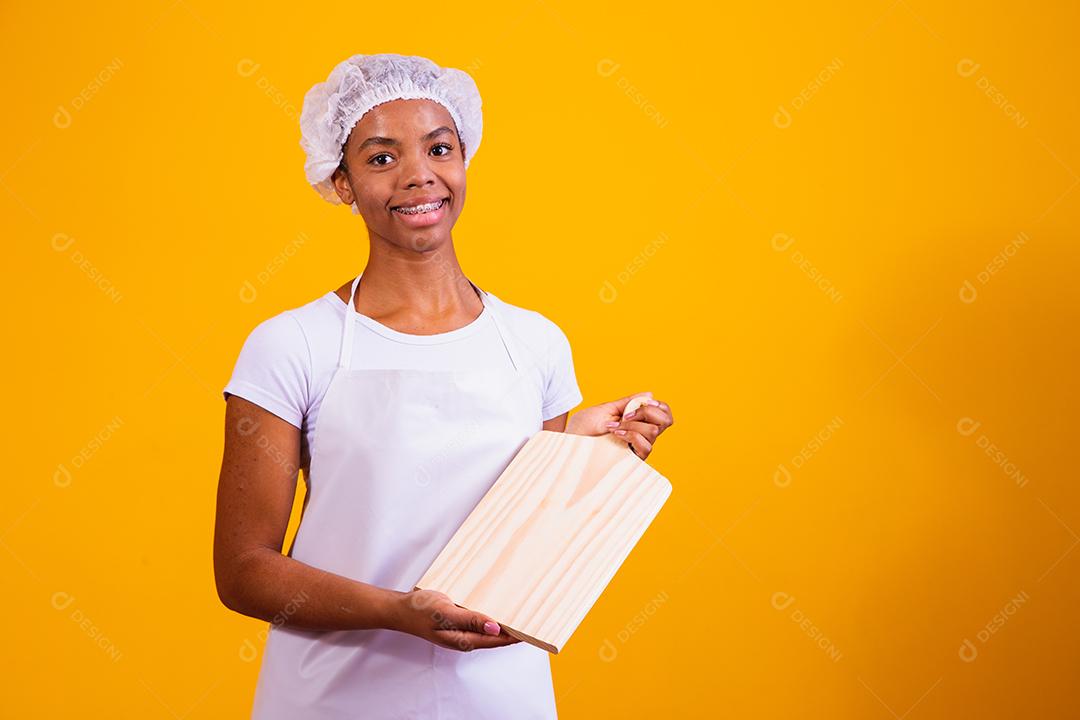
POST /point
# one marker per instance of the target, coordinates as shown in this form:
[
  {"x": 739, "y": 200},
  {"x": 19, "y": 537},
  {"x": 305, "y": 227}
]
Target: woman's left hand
[{"x": 640, "y": 428}]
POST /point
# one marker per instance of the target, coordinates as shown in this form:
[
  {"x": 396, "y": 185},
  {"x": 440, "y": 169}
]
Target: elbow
[
  {"x": 225, "y": 588},
  {"x": 236, "y": 576},
  {"x": 227, "y": 581},
  {"x": 227, "y": 599}
]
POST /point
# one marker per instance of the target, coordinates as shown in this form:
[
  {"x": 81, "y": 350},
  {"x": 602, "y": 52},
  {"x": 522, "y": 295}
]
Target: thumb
[
  {"x": 464, "y": 619},
  {"x": 621, "y": 403}
]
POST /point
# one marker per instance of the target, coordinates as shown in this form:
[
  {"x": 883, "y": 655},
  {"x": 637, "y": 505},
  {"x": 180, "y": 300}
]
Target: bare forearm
[{"x": 276, "y": 588}]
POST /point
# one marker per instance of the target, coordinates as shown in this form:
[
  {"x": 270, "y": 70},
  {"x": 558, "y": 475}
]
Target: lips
[
  {"x": 422, "y": 215},
  {"x": 422, "y": 204}
]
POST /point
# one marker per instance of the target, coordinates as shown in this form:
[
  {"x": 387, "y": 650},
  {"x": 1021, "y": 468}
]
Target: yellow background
[{"x": 764, "y": 214}]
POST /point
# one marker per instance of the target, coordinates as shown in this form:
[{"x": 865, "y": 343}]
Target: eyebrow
[{"x": 391, "y": 142}]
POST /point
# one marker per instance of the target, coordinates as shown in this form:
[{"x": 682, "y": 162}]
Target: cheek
[
  {"x": 373, "y": 211},
  {"x": 457, "y": 186},
  {"x": 457, "y": 178},
  {"x": 372, "y": 199}
]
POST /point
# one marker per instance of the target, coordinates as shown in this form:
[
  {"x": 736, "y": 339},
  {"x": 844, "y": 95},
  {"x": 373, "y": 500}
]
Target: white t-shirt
[{"x": 288, "y": 360}]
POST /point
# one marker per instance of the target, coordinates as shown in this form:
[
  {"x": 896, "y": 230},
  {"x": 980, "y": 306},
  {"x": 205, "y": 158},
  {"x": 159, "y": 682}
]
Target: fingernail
[
  {"x": 630, "y": 415},
  {"x": 491, "y": 628},
  {"x": 620, "y": 432},
  {"x": 654, "y": 403},
  {"x": 611, "y": 424}
]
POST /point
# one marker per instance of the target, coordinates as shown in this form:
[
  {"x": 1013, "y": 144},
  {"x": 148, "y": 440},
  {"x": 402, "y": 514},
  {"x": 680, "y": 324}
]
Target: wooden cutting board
[{"x": 549, "y": 535}]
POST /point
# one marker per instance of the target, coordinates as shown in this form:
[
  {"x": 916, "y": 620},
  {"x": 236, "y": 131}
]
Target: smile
[{"x": 420, "y": 209}]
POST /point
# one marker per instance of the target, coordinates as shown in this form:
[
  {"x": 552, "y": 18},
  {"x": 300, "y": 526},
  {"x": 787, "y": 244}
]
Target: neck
[{"x": 425, "y": 283}]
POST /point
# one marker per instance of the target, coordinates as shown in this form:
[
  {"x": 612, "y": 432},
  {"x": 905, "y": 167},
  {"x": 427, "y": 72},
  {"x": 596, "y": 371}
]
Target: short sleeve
[
  {"x": 274, "y": 369},
  {"x": 561, "y": 392}
]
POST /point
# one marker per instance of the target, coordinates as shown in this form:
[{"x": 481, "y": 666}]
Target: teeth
[{"x": 419, "y": 209}]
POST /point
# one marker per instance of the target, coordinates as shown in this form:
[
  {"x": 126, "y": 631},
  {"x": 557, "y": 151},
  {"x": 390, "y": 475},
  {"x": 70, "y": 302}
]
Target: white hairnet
[{"x": 332, "y": 108}]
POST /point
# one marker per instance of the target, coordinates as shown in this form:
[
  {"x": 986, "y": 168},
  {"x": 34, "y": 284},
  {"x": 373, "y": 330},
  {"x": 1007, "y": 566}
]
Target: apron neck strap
[{"x": 345, "y": 358}]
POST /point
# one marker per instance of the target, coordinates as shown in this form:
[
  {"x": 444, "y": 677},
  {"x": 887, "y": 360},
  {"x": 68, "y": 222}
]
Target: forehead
[{"x": 402, "y": 119}]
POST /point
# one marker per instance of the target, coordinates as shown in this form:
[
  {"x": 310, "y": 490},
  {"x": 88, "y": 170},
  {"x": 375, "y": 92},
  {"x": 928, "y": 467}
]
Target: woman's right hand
[{"x": 433, "y": 616}]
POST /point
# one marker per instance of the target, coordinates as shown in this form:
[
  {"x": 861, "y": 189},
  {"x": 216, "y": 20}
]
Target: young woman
[{"x": 402, "y": 396}]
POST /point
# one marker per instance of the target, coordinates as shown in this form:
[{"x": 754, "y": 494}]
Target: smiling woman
[
  {"x": 401, "y": 399},
  {"x": 397, "y": 137}
]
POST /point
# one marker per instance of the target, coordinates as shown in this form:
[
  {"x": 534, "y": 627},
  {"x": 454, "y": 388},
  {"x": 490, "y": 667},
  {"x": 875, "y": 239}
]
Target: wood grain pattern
[{"x": 549, "y": 535}]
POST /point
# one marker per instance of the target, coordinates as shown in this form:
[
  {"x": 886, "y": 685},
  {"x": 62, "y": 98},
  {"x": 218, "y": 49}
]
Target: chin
[{"x": 423, "y": 241}]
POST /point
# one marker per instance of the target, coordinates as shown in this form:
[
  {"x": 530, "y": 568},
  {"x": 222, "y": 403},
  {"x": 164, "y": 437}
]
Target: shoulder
[
  {"x": 319, "y": 319},
  {"x": 286, "y": 357},
  {"x": 308, "y": 336},
  {"x": 554, "y": 358},
  {"x": 290, "y": 330},
  {"x": 535, "y": 329}
]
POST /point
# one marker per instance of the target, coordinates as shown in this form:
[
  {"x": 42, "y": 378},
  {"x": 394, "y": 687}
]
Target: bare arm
[
  {"x": 556, "y": 424},
  {"x": 255, "y": 496}
]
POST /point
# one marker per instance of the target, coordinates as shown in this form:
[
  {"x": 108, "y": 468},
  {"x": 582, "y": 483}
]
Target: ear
[{"x": 340, "y": 179}]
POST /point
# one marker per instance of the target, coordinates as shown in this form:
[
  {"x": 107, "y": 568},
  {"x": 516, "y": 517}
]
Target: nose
[{"x": 416, "y": 169}]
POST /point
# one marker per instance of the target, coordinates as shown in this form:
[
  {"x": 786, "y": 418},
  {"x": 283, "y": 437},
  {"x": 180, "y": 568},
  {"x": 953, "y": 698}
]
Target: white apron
[{"x": 399, "y": 459}]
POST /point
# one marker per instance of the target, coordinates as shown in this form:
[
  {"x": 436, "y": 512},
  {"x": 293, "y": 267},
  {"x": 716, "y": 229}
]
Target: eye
[
  {"x": 376, "y": 157},
  {"x": 449, "y": 149}
]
